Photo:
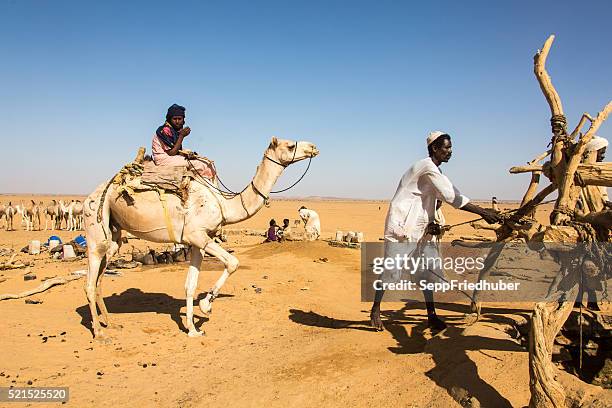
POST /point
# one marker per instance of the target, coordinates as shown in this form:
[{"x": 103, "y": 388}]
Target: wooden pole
[{"x": 592, "y": 174}]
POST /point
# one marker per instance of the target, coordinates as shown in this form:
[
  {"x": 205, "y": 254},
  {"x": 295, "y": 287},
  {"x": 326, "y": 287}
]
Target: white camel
[
  {"x": 73, "y": 214},
  {"x": 28, "y": 213},
  {"x": 194, "y": 223},
  {"x": 64, "y": 213},
  {"x": 19, "y": 210},
  {"x": 9, "y": 213},
  {"x": 77, "y": 215},
  {"x": 52, "y": 215},
  {"x": 3, "y": 212}
]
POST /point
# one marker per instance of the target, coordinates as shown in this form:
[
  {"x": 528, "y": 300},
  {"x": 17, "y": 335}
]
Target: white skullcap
[
  {"x": 595, "y": 144},
  {"x": 434, "y": 135}
]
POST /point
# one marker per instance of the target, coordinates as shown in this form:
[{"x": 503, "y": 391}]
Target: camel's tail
[{"x": 96, "y": 214}]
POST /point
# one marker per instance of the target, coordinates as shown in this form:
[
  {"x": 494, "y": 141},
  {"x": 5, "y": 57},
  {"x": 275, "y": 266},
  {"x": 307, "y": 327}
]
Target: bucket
[
  {"x": 339, "y": 235},
  {"x": 53, "y": 243},
  {"x": 34, "y": 248},
  {"x": 360, "y": 236},
  {"x": 69, "y": 252}
]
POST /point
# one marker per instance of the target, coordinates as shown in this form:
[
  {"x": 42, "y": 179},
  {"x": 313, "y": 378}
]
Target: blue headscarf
[{"x": 169, "y": 136}]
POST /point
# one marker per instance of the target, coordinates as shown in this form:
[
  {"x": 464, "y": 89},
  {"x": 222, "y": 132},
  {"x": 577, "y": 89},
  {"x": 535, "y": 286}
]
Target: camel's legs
[
  {"x": 112, "y": 250},
  {"x": 97, "y": 264},
  {"x": 99, "y": 249},
  {"x": 190, "y": 286},
  {"x": 231, "y": 264}
]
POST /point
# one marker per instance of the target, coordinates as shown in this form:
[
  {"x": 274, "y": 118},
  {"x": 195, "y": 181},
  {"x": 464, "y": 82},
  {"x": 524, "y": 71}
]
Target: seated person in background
[
  {"x": 284, "y": 231},
  {"x": 168, "y": 140},
  {"x": 271, "y": 234},
  {"x": 494, "y": 205},
  {"x": 312, "y": 223}
]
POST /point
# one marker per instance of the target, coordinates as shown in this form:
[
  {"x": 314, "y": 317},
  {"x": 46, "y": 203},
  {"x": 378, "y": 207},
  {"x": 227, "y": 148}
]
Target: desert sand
[{"x": 303, "y": 340}]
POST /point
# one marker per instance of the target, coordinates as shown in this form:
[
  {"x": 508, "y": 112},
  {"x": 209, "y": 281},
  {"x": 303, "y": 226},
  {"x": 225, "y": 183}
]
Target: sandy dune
[{"x": 304, "y": 340}]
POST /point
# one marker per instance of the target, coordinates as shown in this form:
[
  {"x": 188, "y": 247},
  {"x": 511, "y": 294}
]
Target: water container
[
  {"x": 80, "y": 241},
  {"x": 69, "y": 252},
  {"x": 55, "y": 237},
  {"x": 34, "y": 248},
  {"x": 350, "y": 236},
  {"x": 53, "y": 243},
  {"x": 360, "y": 236},
  {"x": 339, "y": 235}
]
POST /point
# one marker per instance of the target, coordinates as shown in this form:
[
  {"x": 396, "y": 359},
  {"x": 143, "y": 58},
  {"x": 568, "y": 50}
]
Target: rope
[
  {"x": 580, "y": 319},
  {"x": 558, "y": 124},
  {"x": 229, "y": 193},
  {"x": 134, "y": 169},
  {"x": 294, "y": 184},
  {"x": 563, "y": 210},
  {"x": 507, "y": 212},
  {"x": 419, "y": 251},
  {"x": 205, "y": 181}
]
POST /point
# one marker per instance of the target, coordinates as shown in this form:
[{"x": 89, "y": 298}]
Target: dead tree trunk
[
  {"x": 549, "y": 316},
  {"x": 547, "y": 320}
]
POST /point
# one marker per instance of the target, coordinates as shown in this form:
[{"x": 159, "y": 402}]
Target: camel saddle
[{"x": 143, "y": 175}]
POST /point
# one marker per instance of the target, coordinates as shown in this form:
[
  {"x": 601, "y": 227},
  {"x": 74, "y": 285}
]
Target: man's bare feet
[{"x": 375, "y": 320}]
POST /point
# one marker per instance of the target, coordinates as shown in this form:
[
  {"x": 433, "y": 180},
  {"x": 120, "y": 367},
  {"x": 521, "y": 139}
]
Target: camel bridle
[{"x": 228, "y": 193}]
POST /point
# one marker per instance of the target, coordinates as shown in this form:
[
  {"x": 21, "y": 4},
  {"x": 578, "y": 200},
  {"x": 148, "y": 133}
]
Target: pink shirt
[{"x": 161, "y": 158}]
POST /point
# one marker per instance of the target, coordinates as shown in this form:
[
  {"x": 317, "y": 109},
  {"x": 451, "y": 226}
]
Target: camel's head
[{"x": 287, "y": 152}]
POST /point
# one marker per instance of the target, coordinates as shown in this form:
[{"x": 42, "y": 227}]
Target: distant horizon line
[{"x": 281, "y": 198}]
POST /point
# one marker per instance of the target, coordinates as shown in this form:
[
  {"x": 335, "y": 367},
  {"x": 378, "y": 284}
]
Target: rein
[{"x": 230, "y": 194}]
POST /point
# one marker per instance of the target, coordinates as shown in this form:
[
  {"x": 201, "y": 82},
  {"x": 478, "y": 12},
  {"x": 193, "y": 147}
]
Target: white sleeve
[{"x": 445, "y": 190}]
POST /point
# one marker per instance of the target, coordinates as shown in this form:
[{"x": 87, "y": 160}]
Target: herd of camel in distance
[{"x": 55, "y": 213}]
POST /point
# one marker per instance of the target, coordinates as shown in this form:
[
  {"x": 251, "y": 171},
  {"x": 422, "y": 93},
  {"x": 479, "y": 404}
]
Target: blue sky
[{"x": 84, "y": 84}]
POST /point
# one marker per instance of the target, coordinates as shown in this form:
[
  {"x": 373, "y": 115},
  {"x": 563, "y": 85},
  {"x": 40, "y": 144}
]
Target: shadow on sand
[
  {"x": 454, "y": 370},
  {"x": 134, "y": 300}
]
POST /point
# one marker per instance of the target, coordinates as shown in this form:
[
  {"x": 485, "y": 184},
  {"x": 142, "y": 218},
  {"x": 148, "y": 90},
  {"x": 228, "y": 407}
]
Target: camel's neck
[{"x": 245, "y": 205}]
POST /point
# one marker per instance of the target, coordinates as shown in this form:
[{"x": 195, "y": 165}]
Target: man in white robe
[
  {"x": 599, "y": 145},
  {"x": 312, "y": 223},
  {"x": 412, "y": 211}
]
